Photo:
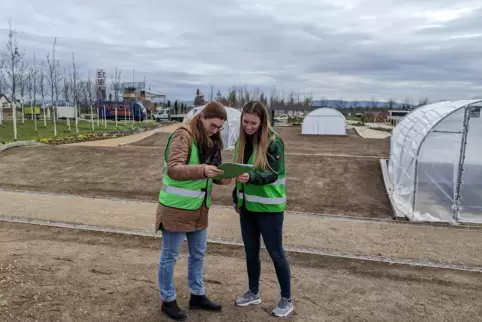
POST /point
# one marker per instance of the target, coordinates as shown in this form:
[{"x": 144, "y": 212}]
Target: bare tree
[
  {"x": 282, "y": 99},
  {"x": 407, "y": 104},
  {"x": 308, "y": 100},
  {"x": 323, "y": 101},
  {"x": 340, "y": 104},
  {"x": 262, "y": 98},
  {"x": 15, "y": 69},
  {"x": 211, "y": 93},
  {"x": 273, "y": 99},
  {"x": 232, "y": 97},
  {"x": 53, "y": 78},
  {"x": 240, "y": 96},
  {"x": 373, "y": 103},
  {"x": 90, "y": 88},
  {"x": 23, "y": 87},
  {"x": 66, "y": 88},
  {"x": 391, "y": 104},
  {"x": 116, "y": 83},
  {"x": 3, "y": 87},
  {"x": 42, "y": 90},
  {"x": 423, "y": 101},
  {"x": 255, "y": 93},
  {"x": 291, "y": 98},
  {"x": 116, "y": 86},
  {"x": 33, "y": 89},
  {"x": 66, "y": 91},
  {"x": 219, "y": 96},
  {"x": 58, "y": 89},
  {"x": 83, "y": 93},
  {"x": 355, "y": 105},
  {"x": 247, "y": 95},
  {"x": 75, "y": 93}
]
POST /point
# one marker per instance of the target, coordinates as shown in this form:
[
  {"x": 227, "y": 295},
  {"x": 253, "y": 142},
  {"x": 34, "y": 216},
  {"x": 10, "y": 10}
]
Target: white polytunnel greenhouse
[
  {"x": 435, "y": 165},
  {"x": 324, "y": 121},
  {"x": 230, "y": 131}
]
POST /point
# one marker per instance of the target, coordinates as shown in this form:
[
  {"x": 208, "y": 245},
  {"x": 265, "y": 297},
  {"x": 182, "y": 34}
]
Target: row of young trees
[
  {"x": 39, "y": 80},
  {"x": 176, "y": 107},
  {"x": 237, "y": 96}
]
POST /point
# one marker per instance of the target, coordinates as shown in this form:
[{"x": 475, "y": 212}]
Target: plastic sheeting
[
  {"x": 230, "y": 132},
  {"x": 435, "y": 165},
  {"x": 324, "y": 121}
]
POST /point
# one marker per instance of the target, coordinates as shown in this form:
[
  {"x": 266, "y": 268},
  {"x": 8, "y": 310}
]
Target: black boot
[
  {"x": 173, "y": 310},
  {"x": 201, "y": 302}
]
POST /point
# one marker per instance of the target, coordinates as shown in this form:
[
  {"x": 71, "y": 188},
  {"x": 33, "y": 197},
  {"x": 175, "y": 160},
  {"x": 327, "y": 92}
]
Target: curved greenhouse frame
[
  {"x": 324, "y": 121},
  {"x": 435, "y": 166}
]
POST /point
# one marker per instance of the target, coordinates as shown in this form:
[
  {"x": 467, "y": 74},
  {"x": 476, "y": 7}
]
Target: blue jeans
[{"x": 171, "y": 244}]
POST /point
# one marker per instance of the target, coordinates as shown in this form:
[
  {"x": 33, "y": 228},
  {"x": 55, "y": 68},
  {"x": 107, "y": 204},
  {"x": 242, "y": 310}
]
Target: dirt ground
[
  {"x": 50, "y": 274},
  {"x": 389, "y": 239},
  {"x": 297, "y": 143},
  {"x": 322, "y": 184}
]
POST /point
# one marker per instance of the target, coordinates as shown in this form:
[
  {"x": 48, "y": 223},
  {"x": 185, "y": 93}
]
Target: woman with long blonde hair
[
  {"x": 191, "y": 158},
  {"x": 260, "y": 200}
]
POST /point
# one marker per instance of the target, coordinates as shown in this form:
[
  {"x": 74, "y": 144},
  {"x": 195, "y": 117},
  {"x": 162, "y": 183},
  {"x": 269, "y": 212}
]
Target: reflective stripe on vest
[
  {"x": 187, "y": 194},
  {"x": 263, "y": 198},
  {"x": 184, "y": 192}
]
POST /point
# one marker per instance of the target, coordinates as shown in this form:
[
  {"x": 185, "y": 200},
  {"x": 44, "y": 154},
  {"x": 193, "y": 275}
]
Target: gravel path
[
  {"x": 439, "y": 244},
  {"x": 129, "y": 138},
  {"x": 368, "y": 133}
]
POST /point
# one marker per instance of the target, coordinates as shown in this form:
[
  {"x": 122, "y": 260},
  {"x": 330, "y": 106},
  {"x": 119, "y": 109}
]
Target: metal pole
[{"x": 463, "y": 145}]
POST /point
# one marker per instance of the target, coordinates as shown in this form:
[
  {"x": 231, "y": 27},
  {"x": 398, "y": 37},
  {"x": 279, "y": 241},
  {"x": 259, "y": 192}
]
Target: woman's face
[
  {"x": 251, "y": 123},
  {"x": 212, "y": 126}
]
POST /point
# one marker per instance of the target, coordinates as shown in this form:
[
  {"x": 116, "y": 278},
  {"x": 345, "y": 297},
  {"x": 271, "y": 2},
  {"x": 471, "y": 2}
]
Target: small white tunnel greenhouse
[
  {"x": 324, "y": 121},
  {"x": 230, "y": 132},
  {"x": 435, "y": 166}
]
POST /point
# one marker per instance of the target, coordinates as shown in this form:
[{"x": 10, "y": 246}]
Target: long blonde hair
[{"x": 261, "y": 139}]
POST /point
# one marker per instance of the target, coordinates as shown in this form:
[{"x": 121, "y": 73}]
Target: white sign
[
  {"x": 100, "y": 73},
  {"x": 101, "y": 86}
]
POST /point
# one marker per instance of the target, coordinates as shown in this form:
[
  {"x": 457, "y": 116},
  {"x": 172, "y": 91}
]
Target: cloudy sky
[{"x": 338, "y": 48}]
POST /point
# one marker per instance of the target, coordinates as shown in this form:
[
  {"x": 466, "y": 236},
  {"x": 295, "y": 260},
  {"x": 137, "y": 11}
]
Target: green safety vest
[
  {"x": 263, "y": 198},
  {"x": 187, "y": 194}
]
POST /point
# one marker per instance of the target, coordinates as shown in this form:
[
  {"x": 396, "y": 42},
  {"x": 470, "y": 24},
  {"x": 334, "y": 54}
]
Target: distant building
[
  {"x": 375, "y": 116},
  {"x": 4, "y": 101},
  {"x": 5, "y": 108},
  {"x": 394, "y": 116}
]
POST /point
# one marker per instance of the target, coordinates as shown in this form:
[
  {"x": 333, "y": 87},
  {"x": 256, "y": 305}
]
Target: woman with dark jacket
[{"x": 260, "y": 199}]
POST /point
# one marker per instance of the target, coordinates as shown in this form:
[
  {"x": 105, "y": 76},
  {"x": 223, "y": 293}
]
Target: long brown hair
[
  {"x": 261, "y": 139},
  {"x": 212, "y": 110}
]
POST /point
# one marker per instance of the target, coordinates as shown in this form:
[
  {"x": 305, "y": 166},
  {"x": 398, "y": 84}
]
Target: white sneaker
[
  {"x": 284, "y": 308},
  {"x": 248, "y": 298}
]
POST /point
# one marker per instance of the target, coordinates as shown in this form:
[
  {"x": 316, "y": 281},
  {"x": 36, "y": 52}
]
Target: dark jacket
[{"x": 275, "y": 154}]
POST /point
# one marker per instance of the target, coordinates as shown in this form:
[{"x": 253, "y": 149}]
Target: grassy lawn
[
  {"x": 27, "y": 131},
  {"x": 354, "y": 118}
]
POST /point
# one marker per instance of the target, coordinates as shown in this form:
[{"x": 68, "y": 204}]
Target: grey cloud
[
  {"x": 468, "y": 22},
  {"x": 330, "y": 49}
]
